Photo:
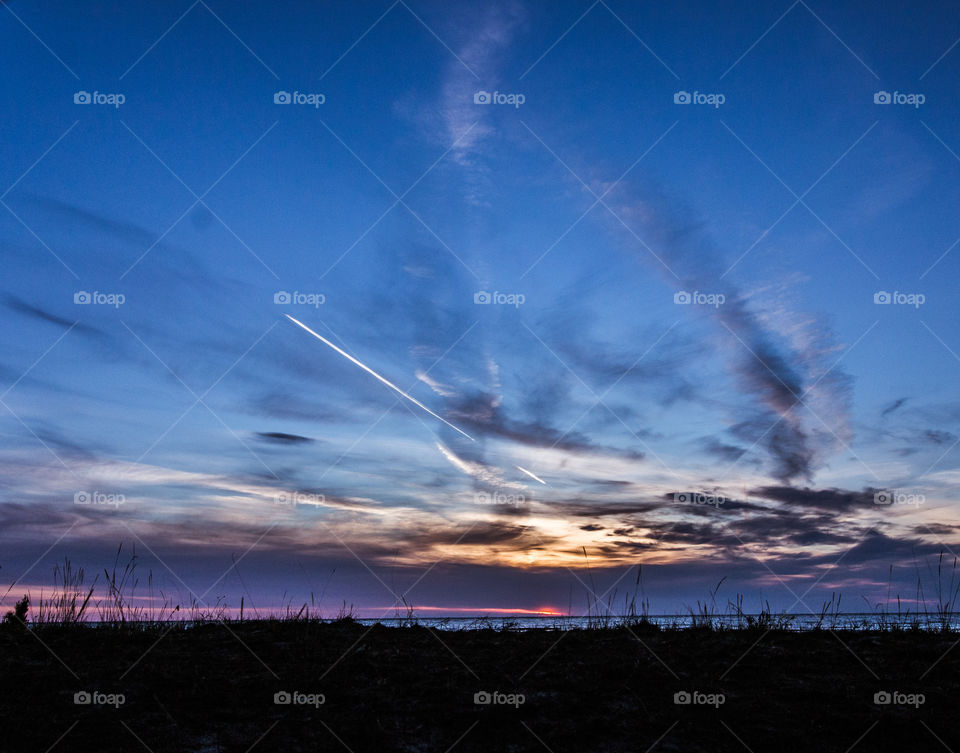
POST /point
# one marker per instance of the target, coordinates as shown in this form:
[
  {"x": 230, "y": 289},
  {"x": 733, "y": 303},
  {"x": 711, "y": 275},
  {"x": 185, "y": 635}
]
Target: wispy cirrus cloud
[
  {"x": 784, "y": 362},
  {"x": 482, "y": 55}
]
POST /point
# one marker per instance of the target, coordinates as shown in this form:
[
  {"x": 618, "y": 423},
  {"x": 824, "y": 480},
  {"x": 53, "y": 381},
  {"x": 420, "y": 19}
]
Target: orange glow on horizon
[{"x": 538, "y": 612}]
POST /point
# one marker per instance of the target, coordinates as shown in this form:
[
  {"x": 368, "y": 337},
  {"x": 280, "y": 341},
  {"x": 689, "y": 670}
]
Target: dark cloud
[
  {"x": 585, "y": 509},
  {"x": 22, "y": 307},
  {"x": 661, "y": 372},
  {"x": 896, "y": 404},
  {"x": 693, "y": 533},
  {"x": 133, "y": 234},
  {"x": 720, "y": 450},
  {"x": 202, "y": 551},
  {"x": 609, "y": 483},
  {"x": 769, "y": 369},
  {"x": 879, "y": 546},
  {"x": 282, "y": 438},
  {"x": 936, "y": 529},
  {"x": 795, "y": 528},
  {"x": 785, "y": 441},
  {"x": 827, "y": 499},
  {"x": 818, "y": 538},
  {"x": 935, "y": 436},
  {"x": 485, "y": 533},
  {"x": 87, "y": 226},
  {"x": 766, "y": 371},
  {"x": 482, "y": 412},
  {"x": 30, "y": 517}
]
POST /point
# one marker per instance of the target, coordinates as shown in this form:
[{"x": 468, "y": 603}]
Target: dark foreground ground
[{"x": 212, "y": 688}]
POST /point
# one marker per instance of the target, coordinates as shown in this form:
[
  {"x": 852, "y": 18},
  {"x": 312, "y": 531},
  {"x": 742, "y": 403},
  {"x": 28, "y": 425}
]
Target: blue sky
[{"x": 787, "y": 200}]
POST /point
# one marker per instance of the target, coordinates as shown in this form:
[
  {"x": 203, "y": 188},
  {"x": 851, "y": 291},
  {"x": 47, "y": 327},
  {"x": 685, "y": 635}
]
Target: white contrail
[
  {"x": 389, "y": 384},
  {"x": 532, "y": 475}
]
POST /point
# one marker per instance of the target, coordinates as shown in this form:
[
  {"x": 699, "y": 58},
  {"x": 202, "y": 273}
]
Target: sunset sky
[{"x": 631, "y": 251}]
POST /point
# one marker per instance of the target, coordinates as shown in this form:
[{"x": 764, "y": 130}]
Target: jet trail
[
  {"x": 531, "y": 475},
  {"x": 389, "y": 384}
]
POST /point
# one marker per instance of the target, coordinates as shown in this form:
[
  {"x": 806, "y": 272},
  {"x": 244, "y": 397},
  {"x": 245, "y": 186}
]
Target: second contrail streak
[
  {"x": 387, "y": 382},
  {"x": 532, "y": 475}
]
